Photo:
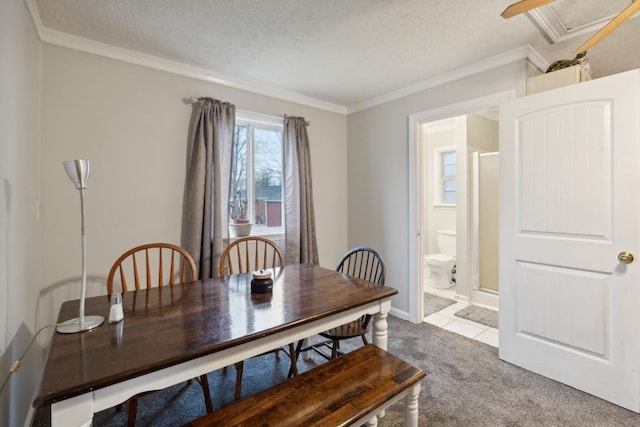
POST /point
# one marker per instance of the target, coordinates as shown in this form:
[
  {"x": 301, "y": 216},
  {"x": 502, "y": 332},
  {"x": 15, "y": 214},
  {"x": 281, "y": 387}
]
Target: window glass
[
  {"x": 449, "y": 185},
  {"x": 268, "y": 178},
  {"x": 238, "y": 191},
  {"x": 256, "y": 176},
  {"x": 448, "y": 170},
  {"x": 449, "y": 191},
  {"x": 449, "y": 158}
]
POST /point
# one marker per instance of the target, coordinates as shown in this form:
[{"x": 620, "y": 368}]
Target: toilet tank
[{"x": 446, "y": 240}]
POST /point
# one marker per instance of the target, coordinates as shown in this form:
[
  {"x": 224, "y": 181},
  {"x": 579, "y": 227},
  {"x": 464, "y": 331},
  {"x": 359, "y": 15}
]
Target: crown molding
[
  {"x": 536, "y": 59},
  {"x": 101, "y": 49},
  {"x": 508, "y": 57},
  {"x": 59, "y": 38},
  {"x": 553, "y": 28}
]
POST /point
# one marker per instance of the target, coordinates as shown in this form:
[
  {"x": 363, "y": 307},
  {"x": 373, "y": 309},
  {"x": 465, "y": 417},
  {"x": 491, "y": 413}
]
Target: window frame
[
  {"x": 259, "y": 121},
  {"x": 439, "y": 178}
]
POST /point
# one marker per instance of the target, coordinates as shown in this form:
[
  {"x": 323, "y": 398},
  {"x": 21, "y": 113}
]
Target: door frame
[{"x": 417, "y": 175}]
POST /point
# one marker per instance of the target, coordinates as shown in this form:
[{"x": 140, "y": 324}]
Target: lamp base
[{"x": 73, "y": 326}]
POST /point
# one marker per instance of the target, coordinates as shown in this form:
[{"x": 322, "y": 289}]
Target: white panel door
[{"x": 569, "y": 204}]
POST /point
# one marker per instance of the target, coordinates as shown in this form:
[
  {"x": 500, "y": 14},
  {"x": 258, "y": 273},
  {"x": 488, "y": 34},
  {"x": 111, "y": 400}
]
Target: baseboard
[{"x": 403, "y": 315}]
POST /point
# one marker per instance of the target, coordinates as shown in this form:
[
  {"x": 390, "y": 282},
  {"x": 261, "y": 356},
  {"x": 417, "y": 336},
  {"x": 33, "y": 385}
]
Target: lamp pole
[{"x": 78, "y": 171}]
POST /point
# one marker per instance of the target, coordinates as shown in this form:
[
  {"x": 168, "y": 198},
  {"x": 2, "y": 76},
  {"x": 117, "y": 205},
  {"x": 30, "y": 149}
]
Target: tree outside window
[{"x": 256, "y": 175}]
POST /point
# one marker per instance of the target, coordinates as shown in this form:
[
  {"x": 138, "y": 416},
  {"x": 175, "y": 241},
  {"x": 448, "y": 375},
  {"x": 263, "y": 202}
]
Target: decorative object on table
[
  {"x": 78, "y": 171},
  {"x": 261, "y": 282},
  {"x": 116, "y": 314},
  {"x": 240, "y": 225}
]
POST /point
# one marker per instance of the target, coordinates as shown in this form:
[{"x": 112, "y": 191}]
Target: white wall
[
  {"x": 132, "y": 123},
  {"x": 378, "y": 157},
  {"x": 482, "y": 133},
  {"x": 20, "y": 237},
  {"x": 438, "y": 217}
]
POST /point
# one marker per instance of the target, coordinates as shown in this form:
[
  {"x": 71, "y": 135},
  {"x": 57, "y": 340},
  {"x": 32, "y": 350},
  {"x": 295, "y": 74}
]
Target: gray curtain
[
  {"x": 207, "y": 186},
  {"x": 300, "y": 226}
]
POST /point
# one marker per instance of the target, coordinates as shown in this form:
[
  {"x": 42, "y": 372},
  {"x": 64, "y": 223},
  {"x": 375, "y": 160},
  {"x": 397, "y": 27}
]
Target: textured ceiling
[{"x": 343, "y": 52}]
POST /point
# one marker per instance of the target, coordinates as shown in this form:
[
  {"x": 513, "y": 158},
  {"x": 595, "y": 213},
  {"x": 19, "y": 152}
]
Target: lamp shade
[{"x": 78, "y": 171}]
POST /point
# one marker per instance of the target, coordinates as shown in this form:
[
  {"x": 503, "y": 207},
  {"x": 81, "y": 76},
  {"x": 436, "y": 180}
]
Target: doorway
[{"x": 420, "y": 176}]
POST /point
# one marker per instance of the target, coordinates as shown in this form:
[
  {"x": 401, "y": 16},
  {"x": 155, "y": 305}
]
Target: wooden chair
[
  {"x": 243, "y": 256},
  {"x": 363, "y": 263},
  {"x": 172, "y": 263},
  {"x": 151, "y": 265},
  {"x": 249, "y": 254}
]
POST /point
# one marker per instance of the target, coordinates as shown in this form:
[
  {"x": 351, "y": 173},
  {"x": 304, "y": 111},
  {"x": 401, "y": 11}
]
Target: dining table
[{"x": 177, "y": 332}]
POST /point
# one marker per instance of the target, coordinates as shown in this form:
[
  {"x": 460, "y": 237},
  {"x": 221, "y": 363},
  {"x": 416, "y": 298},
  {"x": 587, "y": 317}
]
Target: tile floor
[{"x": 446, "y": 319}]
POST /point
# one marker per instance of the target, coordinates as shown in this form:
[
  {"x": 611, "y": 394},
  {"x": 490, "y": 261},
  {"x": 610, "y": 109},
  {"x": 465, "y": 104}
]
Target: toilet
[{"x": 442, "y": 263}]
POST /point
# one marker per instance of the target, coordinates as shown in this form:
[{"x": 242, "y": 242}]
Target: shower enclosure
[{"x": 485, "y": 225}]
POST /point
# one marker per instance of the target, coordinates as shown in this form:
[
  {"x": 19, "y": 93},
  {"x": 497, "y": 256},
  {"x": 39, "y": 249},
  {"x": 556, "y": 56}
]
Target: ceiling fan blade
[
  {"x": 612, "y": 25},
  {"x": 523, "y": 6}
]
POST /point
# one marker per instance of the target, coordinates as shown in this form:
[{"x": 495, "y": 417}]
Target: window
[
  {"x": 256, "y": 173},
  {"x": 445, "y": 168}
]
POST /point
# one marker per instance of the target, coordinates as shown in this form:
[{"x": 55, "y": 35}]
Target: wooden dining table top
[{"x": 168, "y": 325}]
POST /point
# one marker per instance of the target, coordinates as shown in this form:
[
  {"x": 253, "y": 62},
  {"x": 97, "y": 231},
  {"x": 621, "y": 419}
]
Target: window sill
[
  {"x": 444, "y": 205},
  {"x": 275, "y": 236}
]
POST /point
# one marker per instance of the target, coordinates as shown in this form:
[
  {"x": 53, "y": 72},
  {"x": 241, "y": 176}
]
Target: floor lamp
[{"x": 78, "y": 171}]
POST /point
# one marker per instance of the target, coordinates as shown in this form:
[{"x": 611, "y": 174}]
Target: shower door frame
[{"x": 480, "y": 296}]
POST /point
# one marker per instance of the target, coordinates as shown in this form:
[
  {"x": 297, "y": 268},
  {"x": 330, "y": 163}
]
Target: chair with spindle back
[
  {"x": 243, "y": 256},
  {"x": 250, "y": 254},
  {"x": 362, "y": 263},
  {"x": 138, "y": 267}
]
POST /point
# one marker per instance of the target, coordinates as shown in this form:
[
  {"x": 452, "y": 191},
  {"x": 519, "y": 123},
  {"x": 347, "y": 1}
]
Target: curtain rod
[{"x": 194, "y": 100}]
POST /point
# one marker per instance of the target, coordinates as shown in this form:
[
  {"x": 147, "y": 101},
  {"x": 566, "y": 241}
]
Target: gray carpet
[
  {"x": 480, "y": 315},
  {"x": 466, "y": 385},
  {"x": 434, "y": 303}
]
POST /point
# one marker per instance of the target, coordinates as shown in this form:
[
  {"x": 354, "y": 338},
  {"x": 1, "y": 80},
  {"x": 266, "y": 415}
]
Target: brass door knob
[{"x": 625, "y": 257}]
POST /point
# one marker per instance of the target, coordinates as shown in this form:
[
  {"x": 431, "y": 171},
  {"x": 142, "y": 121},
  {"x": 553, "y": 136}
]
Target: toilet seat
[{"x": 439, "y": 258}]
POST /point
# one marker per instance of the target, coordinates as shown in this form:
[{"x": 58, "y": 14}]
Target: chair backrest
[
  {"x": 363, "y": 263},
  {"x": 366, "y": 264},
  {"x": 250, "y": 254},
  {"x": 152, "y": 264}
]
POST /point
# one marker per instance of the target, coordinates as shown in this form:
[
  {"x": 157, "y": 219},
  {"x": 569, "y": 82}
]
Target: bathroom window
[{"x": 445, "y": 169}]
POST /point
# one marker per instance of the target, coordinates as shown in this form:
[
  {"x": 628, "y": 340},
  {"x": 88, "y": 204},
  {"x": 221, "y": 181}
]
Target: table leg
[
  {"x": 411, "y": 406},
  {"x": 380, "y": 336},
  {"x": 380, "y": 329},
  {"x": 76, "y": 411},
  {"x": 373, "y": 422}
]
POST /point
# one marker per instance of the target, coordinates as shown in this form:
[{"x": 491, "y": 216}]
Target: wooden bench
[{"x": 349, "y": 390}]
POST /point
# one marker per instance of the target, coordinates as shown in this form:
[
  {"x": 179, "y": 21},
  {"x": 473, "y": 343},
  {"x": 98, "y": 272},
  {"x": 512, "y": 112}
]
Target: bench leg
[{"x": 411, "y": 406}]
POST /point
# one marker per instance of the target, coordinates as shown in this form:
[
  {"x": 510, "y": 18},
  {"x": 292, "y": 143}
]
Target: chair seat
[{"x": 349, "y": 330}]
